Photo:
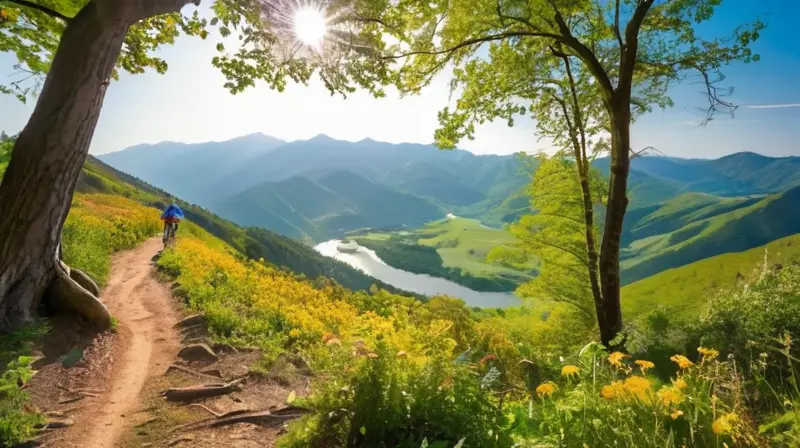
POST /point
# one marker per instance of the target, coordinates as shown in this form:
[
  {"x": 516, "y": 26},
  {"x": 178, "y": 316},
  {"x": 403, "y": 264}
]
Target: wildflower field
[{"x": 394, "y": 371}]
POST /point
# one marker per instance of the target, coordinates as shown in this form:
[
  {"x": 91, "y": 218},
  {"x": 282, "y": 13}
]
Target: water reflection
[{"x": 367, "y": 261}]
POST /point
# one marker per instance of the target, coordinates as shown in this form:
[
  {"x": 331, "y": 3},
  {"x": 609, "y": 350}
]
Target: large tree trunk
[
  {"x": 38, "y": 185},
  {"x": 611, "y": 321}
]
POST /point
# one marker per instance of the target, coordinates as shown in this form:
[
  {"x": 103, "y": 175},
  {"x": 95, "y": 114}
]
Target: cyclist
[{"x": 171, "y": 217}]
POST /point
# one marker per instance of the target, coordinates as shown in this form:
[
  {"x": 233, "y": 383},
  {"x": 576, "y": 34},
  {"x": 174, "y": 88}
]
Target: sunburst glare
[{"x": 309, "y": 25}]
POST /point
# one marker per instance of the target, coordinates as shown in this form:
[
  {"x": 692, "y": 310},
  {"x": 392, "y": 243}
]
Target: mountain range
[{"x": 681, "y": 210}]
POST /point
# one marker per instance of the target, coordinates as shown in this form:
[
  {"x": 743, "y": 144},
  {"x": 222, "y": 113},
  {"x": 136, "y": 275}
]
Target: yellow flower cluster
[
  {"x": 569, "y": 371},
  {"x": 682, "y": 361},
  {"x": 546, "y": 389},
  {"x": 633, "y": 387},
  {"x": 615, "y": 359},
  {"x": 725, "y": 423}
]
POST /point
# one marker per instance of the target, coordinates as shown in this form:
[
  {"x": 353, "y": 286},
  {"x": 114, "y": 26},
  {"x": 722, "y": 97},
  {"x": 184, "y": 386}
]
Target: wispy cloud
[{"x": 772, "y": 106}]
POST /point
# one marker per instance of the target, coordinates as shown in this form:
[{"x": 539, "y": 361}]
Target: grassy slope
[
  {"x": 733, "y": 231},
  {"x": 687, "y": 288}
]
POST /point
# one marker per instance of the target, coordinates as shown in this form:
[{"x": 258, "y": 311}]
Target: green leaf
[
  {"x": 220, "y": 47},
  {"x": 363, "y": 430},
  {"x": 291, "y": 398}
]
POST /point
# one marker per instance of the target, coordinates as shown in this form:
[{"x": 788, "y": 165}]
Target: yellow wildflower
[
  {"x": 682, "y": 361},
  {"x": 615, "y": 359},
  {"x": 669, "y": 396},
  {"x": 644, "y": 365},
  {"x": 569, "y": 371},
  {"x": 675, "y": 415},
  {"x": 546, "y": 389},
  {"x": 724, "y": 424},
  {"x": 709, "y": 354},
  {"x": 680, "y": 383},
  {"x": 613, "y": 390},
  {"x": 638, "y": 386},
  {"x": 294, "y": 333}
]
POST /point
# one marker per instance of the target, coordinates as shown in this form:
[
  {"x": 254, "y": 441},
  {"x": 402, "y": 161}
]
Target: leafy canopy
[
  {"x": 267, "y": 49},
  {"x": 505, "y": 53},
  {"x": 556, "y": 234}
]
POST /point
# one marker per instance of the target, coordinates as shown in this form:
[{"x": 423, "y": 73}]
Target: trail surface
[{"x": 146, "y": 345}]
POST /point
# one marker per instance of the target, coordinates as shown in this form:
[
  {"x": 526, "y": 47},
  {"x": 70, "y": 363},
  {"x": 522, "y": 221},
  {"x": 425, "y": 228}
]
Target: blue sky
[{"x": 188, "y": 104}]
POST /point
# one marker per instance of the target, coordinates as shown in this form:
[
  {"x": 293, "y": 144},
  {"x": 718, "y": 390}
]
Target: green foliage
[
  {"x": 392, "y": 401},
  {"x": 556, "y": 234},
  {"x": 266, "y": 53},
  {"x": 525, "y": 39},
  {"x": 17, "y": 423}
]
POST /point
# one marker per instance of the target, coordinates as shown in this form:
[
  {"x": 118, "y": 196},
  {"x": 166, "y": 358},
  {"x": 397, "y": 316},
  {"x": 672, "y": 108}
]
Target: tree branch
[
  {"x": 40, "y": 8},
  {"x": 586, "y": 55},
  {"x": 476, "y": 40},
  {"x": 617, "y": 31}
]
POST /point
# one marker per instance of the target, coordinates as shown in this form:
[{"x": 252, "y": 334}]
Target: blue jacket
[{"x": 173, "y": 211}]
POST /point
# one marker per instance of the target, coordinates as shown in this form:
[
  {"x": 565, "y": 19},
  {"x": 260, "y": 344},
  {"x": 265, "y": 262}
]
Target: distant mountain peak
[{"x": 322, "y": 137}]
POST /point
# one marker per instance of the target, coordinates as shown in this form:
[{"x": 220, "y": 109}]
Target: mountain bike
[{"x": 168, "y": 237}]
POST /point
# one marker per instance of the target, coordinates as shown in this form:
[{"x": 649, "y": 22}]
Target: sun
[{"x": 309, "y": 25}]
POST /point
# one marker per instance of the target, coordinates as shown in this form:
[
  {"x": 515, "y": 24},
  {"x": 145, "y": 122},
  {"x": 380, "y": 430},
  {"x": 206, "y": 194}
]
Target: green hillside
[
  {"x": 677, "y": 212},
  {"x": 318, "y": 210},
  {"x": 686, "y": 289},
  {"x": 740, "y": 229},
  {"x": 255, "y": 243}
]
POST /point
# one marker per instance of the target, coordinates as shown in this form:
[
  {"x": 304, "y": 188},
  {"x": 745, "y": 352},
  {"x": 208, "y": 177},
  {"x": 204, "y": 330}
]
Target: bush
[
  {"x": 17, "y": 423},
  {"x": 393, "y": 401}
]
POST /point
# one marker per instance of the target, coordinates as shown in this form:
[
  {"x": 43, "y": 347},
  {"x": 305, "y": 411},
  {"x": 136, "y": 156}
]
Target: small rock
[
  {"x": 212, "y": 372},
  {"x": 190, "y": 321},
  {"x": 60, "y": 423},
  {"x": 197, "y": 352}
]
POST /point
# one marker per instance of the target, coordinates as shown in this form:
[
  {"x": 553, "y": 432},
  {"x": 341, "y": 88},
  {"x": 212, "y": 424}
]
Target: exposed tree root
[
  {"x": 84, "y": 280},
  {"x": 66, "y": 294},
  {"x": 192, "y": 393},
  {"x": 262, "y": 418}
]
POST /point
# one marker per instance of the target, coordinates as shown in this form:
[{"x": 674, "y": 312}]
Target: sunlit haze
[{"x": 189, "y": 104}]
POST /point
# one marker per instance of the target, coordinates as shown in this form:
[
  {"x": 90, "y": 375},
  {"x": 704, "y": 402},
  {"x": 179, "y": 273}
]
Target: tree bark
[
  {"x": 611, "y": 321},
  {"x": 38, "y": 185}
]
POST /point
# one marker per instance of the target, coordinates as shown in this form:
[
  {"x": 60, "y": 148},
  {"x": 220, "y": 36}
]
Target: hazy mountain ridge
[{"x": 300, "y": 188}]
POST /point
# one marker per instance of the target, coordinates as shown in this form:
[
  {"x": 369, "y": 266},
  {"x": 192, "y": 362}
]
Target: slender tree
[
  {"x": 81, "y": 45},
  {"x": 633, "y": 50}
]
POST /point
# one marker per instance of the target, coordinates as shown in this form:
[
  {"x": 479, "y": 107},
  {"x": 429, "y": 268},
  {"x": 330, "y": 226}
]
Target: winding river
[{"x": 368, "y": 262}]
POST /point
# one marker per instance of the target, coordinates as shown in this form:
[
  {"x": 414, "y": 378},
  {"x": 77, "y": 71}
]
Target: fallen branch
[
  {"x": 189, "y": 371},
  {"x": 192, "y": 393},
  {"x": 262, "y": 418},
  {"x": 71, "y": 400},
  {"x": 204, "y": 407}
]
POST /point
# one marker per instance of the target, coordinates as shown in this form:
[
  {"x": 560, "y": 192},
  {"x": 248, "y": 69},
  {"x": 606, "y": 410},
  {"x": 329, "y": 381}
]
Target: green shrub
[
  {"x": 17, "y": 423},
  {"x": 391, "y": 401}
]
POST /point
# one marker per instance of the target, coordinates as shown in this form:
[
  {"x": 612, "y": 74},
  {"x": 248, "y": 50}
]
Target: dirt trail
[{"x": 146, "y": 345}]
